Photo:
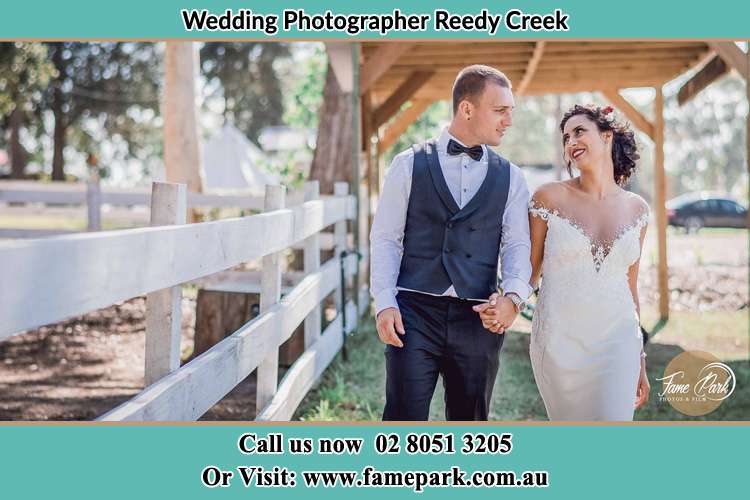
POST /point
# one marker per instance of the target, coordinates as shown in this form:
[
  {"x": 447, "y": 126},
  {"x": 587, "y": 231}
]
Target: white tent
[{"x": 232, "y": 161}]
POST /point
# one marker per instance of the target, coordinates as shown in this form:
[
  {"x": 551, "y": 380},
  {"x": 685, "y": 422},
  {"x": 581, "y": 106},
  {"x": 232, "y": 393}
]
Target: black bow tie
[{"x": 475, "y": 152}]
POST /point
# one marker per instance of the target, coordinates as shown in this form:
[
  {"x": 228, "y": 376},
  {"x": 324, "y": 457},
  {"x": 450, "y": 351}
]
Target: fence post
[
  {"x": 312, "y": 265},
  {"x": 339, "y": 238},
  {"x": 270, "y": 294},
  {"x": 163, "y": 307},
  {"x": 363, "y": 227},
  {"x": 94, "y": 202}
]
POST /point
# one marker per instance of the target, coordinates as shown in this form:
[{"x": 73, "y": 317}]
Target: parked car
[{"x": 694, "y": 211}]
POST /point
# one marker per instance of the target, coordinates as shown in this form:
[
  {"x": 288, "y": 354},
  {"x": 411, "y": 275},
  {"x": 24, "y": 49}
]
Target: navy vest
[{"x": 445, "y": 245}]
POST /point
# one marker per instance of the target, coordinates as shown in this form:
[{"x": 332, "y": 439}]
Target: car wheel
[{"x": 693, "y": 224}]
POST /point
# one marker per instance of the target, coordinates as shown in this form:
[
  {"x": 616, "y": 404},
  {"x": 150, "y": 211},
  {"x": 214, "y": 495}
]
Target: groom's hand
[
  {"x": 497, "y": 314},
  {"x": 388, "y": 323}
]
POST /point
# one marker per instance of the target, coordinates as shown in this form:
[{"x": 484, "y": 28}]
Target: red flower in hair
[{"x": 607, "y": 110}]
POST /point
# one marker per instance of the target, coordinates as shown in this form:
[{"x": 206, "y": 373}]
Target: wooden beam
[
  {"x": 635, "y": 116},
  {"x": 441, "y": 90},
  {"x": 712, "y": 71},
  {"x": 181, "y": 144},
  {"x": 340, "y": 57},
  {"x": 402, "y": 94},
  {"x": 531, "y": 68},
  {"x": 402, "y": 122},
  {"x": 660, "y": 199},
  {"x": 589, "y": 81},
  {"x": 551, "y": 70},
  {"x": 376, "y": 65},
  {"x": 732, "y": 55},
  {"x": 558, "y": 47},
  {"x": 500, "y": 59}
]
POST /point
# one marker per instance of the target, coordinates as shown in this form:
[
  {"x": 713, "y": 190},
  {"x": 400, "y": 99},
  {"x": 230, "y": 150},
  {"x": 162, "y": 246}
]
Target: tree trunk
[
  {"x": 18, "y": 155},
  {"x": 58, "y": 162},
  {"x": 332, "y": 161},
  {"x": 61, "y": 125}
]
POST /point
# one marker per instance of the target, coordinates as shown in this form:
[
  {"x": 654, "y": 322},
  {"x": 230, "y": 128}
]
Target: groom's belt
[{"x": 442, "y": 298}]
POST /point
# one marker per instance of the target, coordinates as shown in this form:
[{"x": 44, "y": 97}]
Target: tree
[
  {"x": 304, "y": 93},
  {"x": 104, "y": 81},
  {"x": 24, "y": 72},
  {"x": 332, "y": 161},
  {"x": 245, "y": 76},
  {"x": 705, "y": 139}
]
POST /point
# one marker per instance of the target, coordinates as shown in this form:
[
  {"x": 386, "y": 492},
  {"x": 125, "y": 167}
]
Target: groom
[{"x": 450, "y": 209}]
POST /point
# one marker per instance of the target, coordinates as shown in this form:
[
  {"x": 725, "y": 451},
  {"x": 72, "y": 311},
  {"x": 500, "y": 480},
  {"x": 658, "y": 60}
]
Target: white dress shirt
[{"x": 464, "y": 176}]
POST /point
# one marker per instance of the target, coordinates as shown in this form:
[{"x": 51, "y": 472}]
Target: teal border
[
  {"x": 585, "y": 461},
  {"x": 142, "y": 19}
]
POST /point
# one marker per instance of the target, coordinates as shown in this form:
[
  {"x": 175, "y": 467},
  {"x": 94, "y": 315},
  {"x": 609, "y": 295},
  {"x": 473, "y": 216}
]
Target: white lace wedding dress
[{"x": 585, "y": 340}]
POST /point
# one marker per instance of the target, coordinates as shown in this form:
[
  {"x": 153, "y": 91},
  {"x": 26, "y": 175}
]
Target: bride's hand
[
  {"x": 641, "y": 395},
  {"x": 497, "y": 314}
]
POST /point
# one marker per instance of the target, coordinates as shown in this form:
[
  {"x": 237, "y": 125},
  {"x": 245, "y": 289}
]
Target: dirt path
[{"x": 81, "y": 368}]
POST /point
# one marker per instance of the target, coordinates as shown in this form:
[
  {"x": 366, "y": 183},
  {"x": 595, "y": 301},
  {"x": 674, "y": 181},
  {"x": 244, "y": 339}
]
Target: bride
[{"x": 586, "y": 241}]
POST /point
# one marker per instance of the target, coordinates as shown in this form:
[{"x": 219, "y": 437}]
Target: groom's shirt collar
[{"x": 442, "y": 146}]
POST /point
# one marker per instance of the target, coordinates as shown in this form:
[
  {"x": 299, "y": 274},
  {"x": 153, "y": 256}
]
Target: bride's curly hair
[{"x": 624, "y": 148}]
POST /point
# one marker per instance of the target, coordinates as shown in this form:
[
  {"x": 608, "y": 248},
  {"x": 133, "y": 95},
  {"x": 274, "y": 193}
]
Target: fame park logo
[{"x": 695, "y": 383}]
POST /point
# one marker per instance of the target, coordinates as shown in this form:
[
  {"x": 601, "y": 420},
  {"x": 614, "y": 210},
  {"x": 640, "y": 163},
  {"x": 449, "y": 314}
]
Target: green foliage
[
  {"x": 107, "y": 96},
  {"x": 24, "y": 72},
  {"x": 425, "y": 127},
  {"x": 287, "y": 166},
  {"x": 245, "y": 75},
  {"x": 705, "y": 140},
  {"x": 304, "y": 94}
]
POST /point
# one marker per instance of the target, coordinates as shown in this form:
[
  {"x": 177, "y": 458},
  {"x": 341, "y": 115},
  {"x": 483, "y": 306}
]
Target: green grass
[{"x": 354, "y": 389}]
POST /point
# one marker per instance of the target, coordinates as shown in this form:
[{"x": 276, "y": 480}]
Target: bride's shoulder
[
  {"x": 547, "y": 199},
  {"x": 637, "y": 204},
  {"x": 636, "y": 210},
  {"x": 550, "y": 195}
]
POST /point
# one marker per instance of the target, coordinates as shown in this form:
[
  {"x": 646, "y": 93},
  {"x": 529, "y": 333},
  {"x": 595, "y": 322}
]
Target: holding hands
[{"x": 497, "y": 314}]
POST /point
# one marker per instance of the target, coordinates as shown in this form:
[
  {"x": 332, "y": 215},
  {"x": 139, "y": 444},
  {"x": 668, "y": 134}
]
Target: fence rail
[{"x": 48, "y": 280}]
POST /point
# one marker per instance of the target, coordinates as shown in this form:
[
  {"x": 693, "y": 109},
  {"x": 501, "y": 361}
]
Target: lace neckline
[{"x": 600, "y": 249}]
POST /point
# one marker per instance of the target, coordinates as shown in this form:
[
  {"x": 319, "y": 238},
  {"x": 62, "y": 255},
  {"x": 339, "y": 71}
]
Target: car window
[
  {"x": 728, "y": 207},
  {"x": 701, "y": 205}
]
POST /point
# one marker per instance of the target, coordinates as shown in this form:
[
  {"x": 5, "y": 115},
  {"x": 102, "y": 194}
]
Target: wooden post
[
  {"x": 163, "y": 307},
  {"x": 356, "y": 187},
  {"x": 660, "y": 192},
  {"x": 557, "y": 140},
  {"x": 312, "y": 265},
  {"x": 94, "y": 202},
  {"x": 268, "y": 369},
  {"x": 181, "y": 144},
  {"x": 339, "y": 237}
]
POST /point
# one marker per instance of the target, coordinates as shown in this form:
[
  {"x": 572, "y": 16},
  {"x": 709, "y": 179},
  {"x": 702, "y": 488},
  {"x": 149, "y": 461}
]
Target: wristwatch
[{"x": 517, "y": 301}]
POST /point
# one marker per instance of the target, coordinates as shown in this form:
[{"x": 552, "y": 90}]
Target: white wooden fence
[
  {"x": 75, "y": 200},
  {"x": 47, "y": 280}
]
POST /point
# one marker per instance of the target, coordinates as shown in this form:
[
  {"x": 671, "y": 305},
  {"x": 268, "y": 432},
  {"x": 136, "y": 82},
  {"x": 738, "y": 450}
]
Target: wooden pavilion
[{"x": 391, "y": 74}]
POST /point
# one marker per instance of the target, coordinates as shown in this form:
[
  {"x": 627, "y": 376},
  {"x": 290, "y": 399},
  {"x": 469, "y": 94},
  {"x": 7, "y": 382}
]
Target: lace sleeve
[
  {"x": 538, "y": 210},
  {"x": 643, "y": 218}
]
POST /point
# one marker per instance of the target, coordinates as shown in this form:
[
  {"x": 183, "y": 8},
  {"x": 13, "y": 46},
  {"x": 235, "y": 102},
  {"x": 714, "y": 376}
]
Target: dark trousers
[{"x": 444, "y": 336}]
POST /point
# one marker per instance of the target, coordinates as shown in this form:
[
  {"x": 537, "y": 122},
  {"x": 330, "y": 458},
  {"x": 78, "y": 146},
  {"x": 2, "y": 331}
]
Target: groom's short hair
[{"x": 471, "y": 80}]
